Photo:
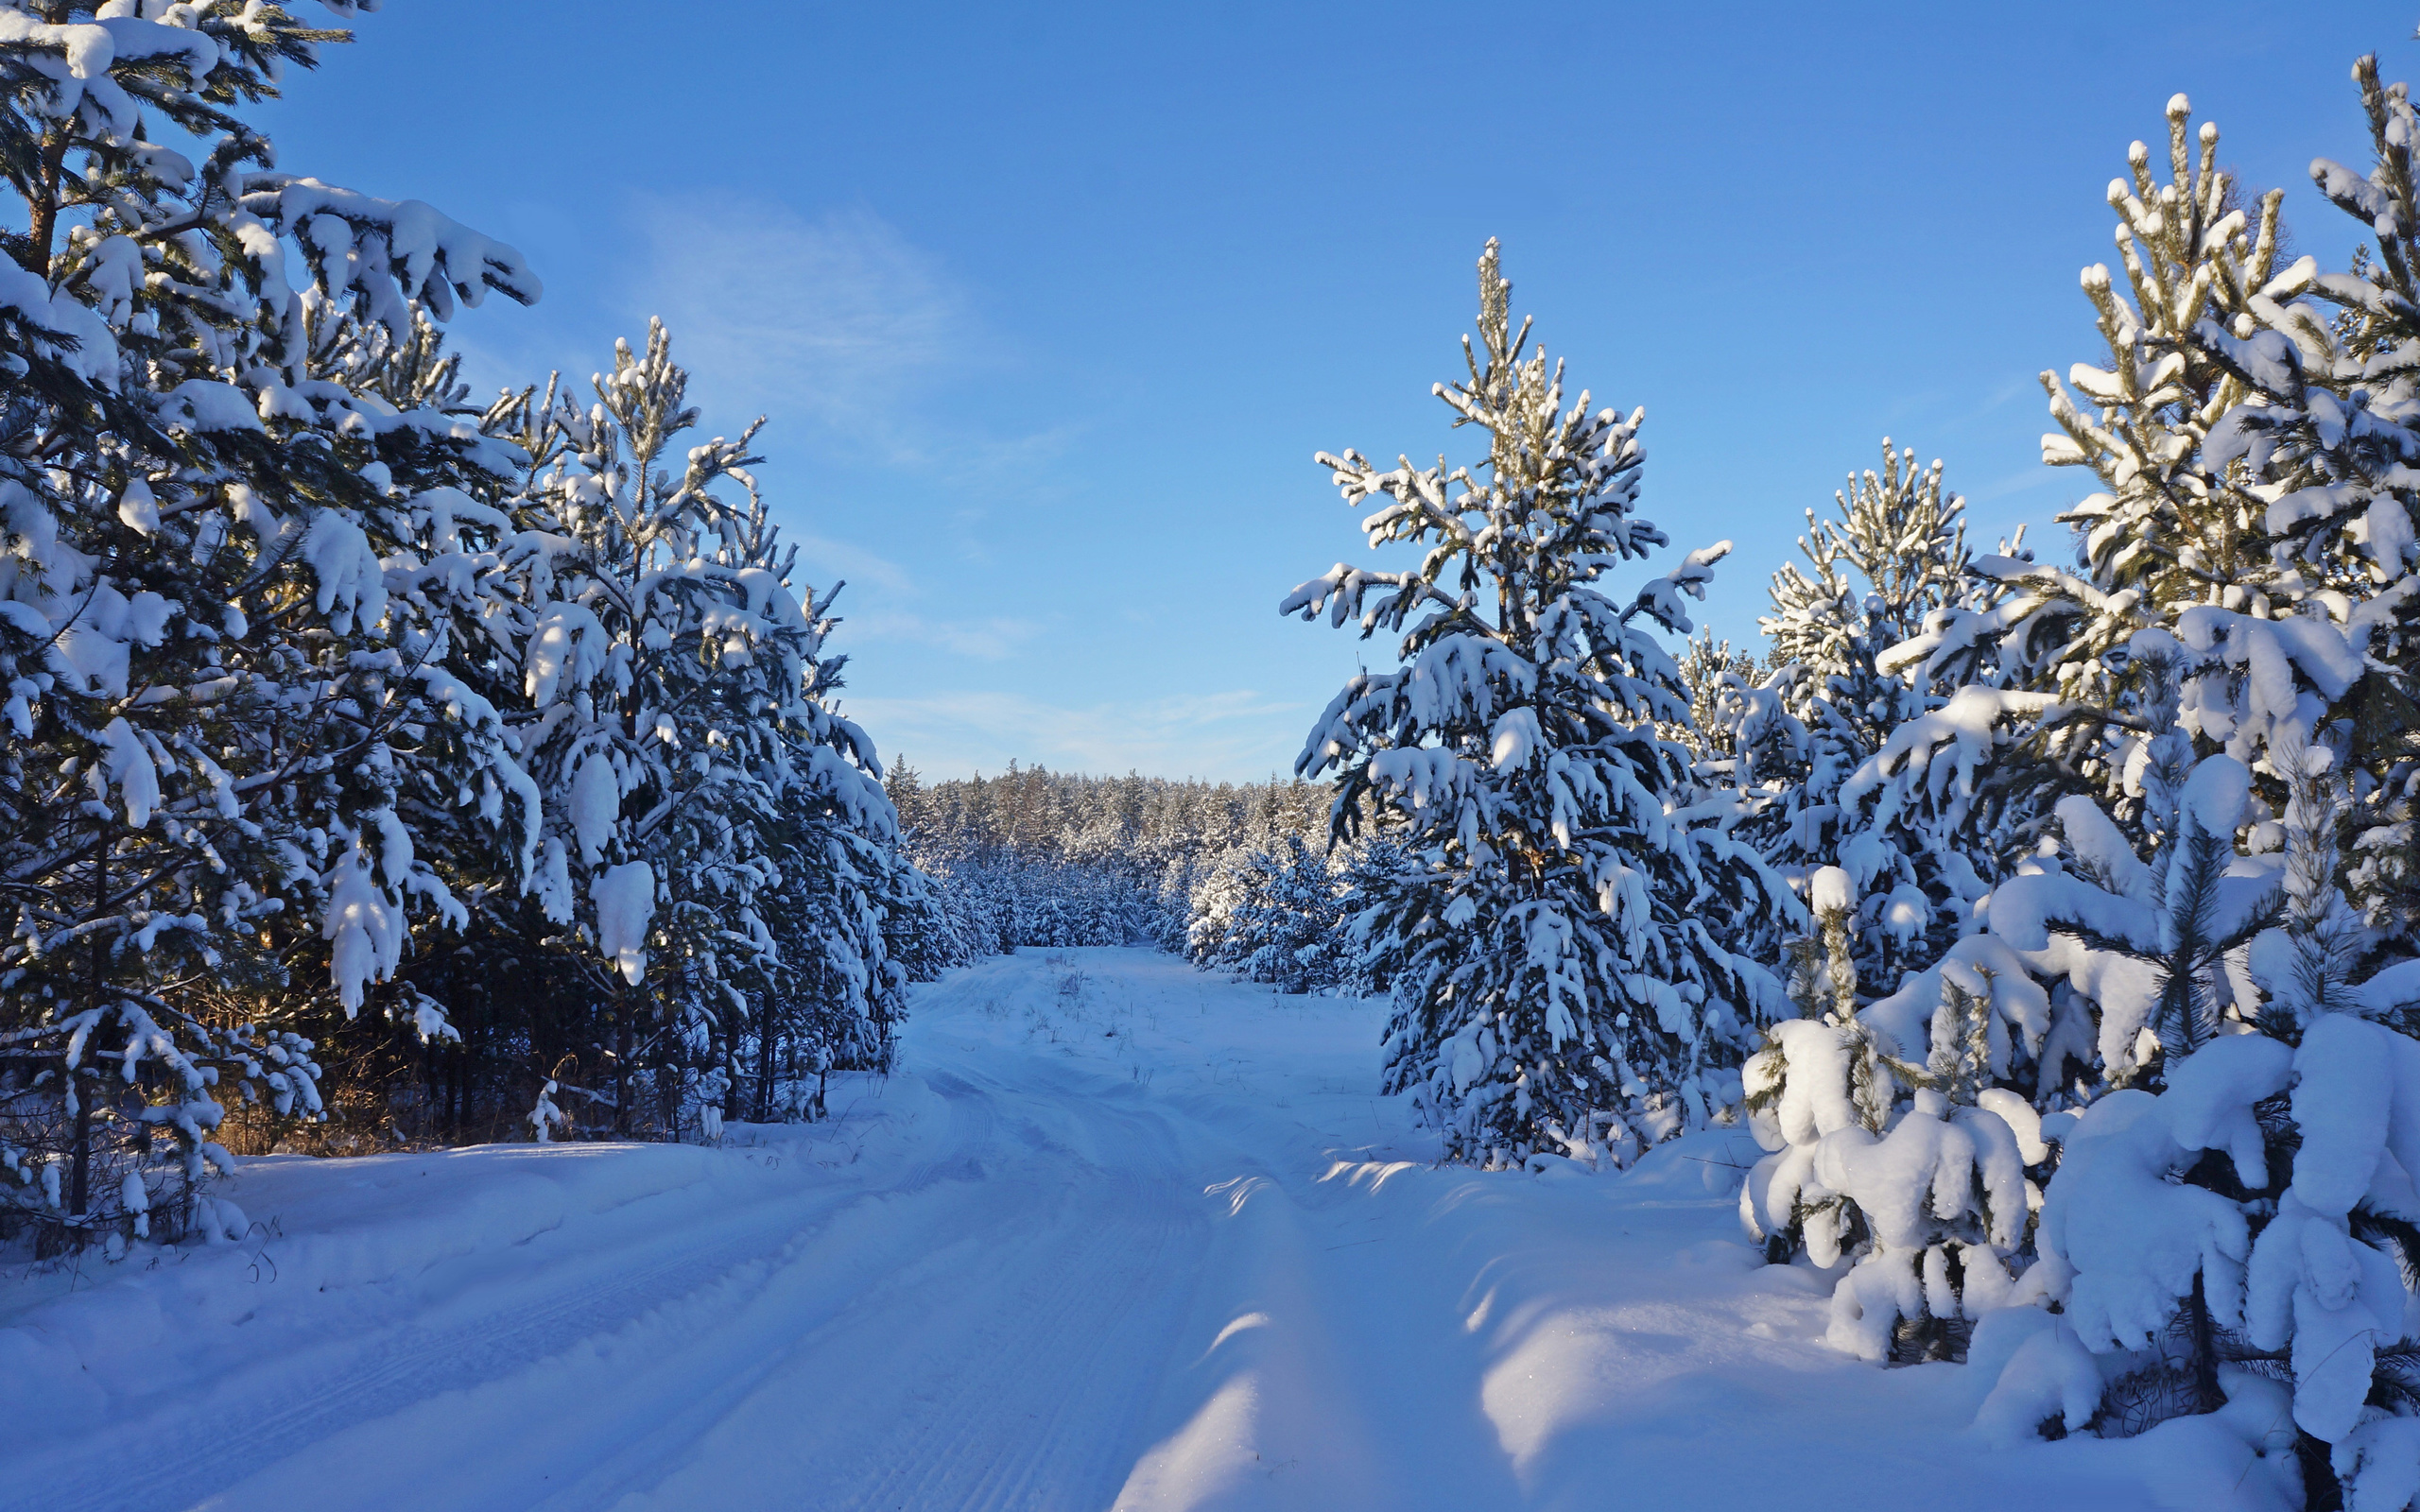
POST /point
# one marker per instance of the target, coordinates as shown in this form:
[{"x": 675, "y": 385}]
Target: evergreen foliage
[
  {"x": 363, "y": 751},
  {"x": 1041, "y": 858},
  {"x": 1834, "y": 744},
  {"x": 216, "y": 689},
  {"x": 1556, "y": 948},
  {"x": 379, "y": 765},
  {"x": 1277, "y": 918},
  {"x": 2189, "y": 993}
]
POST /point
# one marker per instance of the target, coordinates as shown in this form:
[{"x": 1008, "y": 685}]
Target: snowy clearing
[{"x": 1118, "y": 1234}]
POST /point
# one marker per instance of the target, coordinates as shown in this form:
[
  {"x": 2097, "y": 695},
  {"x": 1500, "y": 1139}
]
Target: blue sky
[{"x": 1050, "y": 307}]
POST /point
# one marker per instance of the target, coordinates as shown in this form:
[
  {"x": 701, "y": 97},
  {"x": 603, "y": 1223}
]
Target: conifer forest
[{"x": 485, "y": 1023}]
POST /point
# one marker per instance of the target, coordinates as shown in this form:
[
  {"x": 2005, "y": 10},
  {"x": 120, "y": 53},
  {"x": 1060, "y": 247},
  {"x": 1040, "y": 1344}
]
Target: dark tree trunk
[
  {"x": 80, "y": 1174},
  {"x": 2205, "y": 1352},
  {"x": 621, "y": 1059},
  {"x": 42, "y": 213},
  {"x": 765, "y": 1060}
]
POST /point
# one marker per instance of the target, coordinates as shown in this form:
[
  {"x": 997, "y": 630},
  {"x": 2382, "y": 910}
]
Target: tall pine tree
[{"x": 1561, "y": 984}]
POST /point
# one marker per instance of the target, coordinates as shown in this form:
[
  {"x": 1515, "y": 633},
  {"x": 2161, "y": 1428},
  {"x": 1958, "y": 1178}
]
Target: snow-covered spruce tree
[
  {"x": 692, "y": 773},
  {"x": 1559, "y": 980},
  {"x": 206, "y": 684}
]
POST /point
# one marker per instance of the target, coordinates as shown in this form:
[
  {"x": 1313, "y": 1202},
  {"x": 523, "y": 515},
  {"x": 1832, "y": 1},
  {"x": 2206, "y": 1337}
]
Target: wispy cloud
[
  {"x": 2012, "y": 390},
  {"x": 824, "y": 557},
  {"x": 1237, "y": 735},
  {"x": 877, "y": 616},
  {"x": 837, "y": 320},
  {"x": 993, "y": 638}
]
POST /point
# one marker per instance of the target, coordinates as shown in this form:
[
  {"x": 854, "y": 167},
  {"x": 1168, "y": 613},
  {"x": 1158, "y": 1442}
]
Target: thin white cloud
[
  {"x": 838, "y": 319},
  {"x": 1234, "y": 736},
  {"x": 985, "y": 640},
  {"x": 837, "y": 322},
  {"x": 2013, "y": 388},
  {"x": 823, "y": 558}
]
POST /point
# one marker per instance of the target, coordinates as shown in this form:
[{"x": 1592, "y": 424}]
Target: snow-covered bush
[
  {"x": 1890, "y": 1149},
  {"x": 1557, "y": 948},
  {"x": 2235, "y": 1200}
]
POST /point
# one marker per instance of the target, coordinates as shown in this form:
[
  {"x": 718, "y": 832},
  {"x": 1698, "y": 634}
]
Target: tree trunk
[
  {"x": 621, "y": 1059},
  {"x": 2209, "y": 1397},
  {"x": 42, "y": 213},
  {"x": 765, "y": 1060},
  {"x": 731, "y": 1085},
  {"x": 80, "y": 1173}
]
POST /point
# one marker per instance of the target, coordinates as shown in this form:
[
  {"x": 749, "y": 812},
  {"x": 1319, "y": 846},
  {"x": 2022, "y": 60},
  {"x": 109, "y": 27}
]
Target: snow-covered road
[{"x": 1118, "y": 1235}]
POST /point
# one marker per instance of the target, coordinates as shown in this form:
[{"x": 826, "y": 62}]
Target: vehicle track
[
  {"x": 993, "y": 1321},
  {"x": 171, "y": 1454}
]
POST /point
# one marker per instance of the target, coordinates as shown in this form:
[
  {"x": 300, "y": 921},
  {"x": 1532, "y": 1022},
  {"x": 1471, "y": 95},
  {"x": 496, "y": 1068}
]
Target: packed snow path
[{"x": 1117, "y": 1235}]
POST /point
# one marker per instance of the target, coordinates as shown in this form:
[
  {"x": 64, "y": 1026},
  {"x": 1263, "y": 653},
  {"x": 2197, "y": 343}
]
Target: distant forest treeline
[{"x": 1035, "y": 857}]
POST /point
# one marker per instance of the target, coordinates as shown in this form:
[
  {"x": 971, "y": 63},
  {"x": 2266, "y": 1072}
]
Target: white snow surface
[{"x": 1133, "y": 1237}]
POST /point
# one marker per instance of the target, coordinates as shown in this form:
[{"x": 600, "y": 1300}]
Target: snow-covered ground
[{"x": 1118, "y": 1234}]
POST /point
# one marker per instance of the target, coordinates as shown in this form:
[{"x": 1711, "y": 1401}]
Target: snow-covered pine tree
[
  {"x": 2322, "y": 446},
  {"x": 2177, "y": 627},
  {"x": 1040, "y": 858},
  {"x": 1221, "y": 892},
  {"x": 675, "y": 721},
  {"x": 1277, "y": 916},
  {"x": 1809, "y": 749},
  {"x": 2246, "y": 1199},
  {"x": 205, "y": 681},
  {"x": 1712, "y": 672},
  {"x": 1907, "y": 1175},
  {"x": 2229, "y": 598},
  {"x": 1375, "y": 864},
  {"x": 2241, "y": 1202},
  {"x": 1898, "y": 553},
  {"x": 830, "y": 992},
  {"x": 2174, "y": 560},
  {"x": 927, "y": 936},
  {"x": 1560, "y": 978}
]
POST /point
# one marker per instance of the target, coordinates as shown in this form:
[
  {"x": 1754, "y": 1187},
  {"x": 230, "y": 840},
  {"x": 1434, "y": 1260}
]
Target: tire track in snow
[
  {"x": 170, "y": 1455},
  {"x": 1022, "y": 1391},
  {"x": 1049, "y": 1413},
  {"x": 1001, "y": 1320}
]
